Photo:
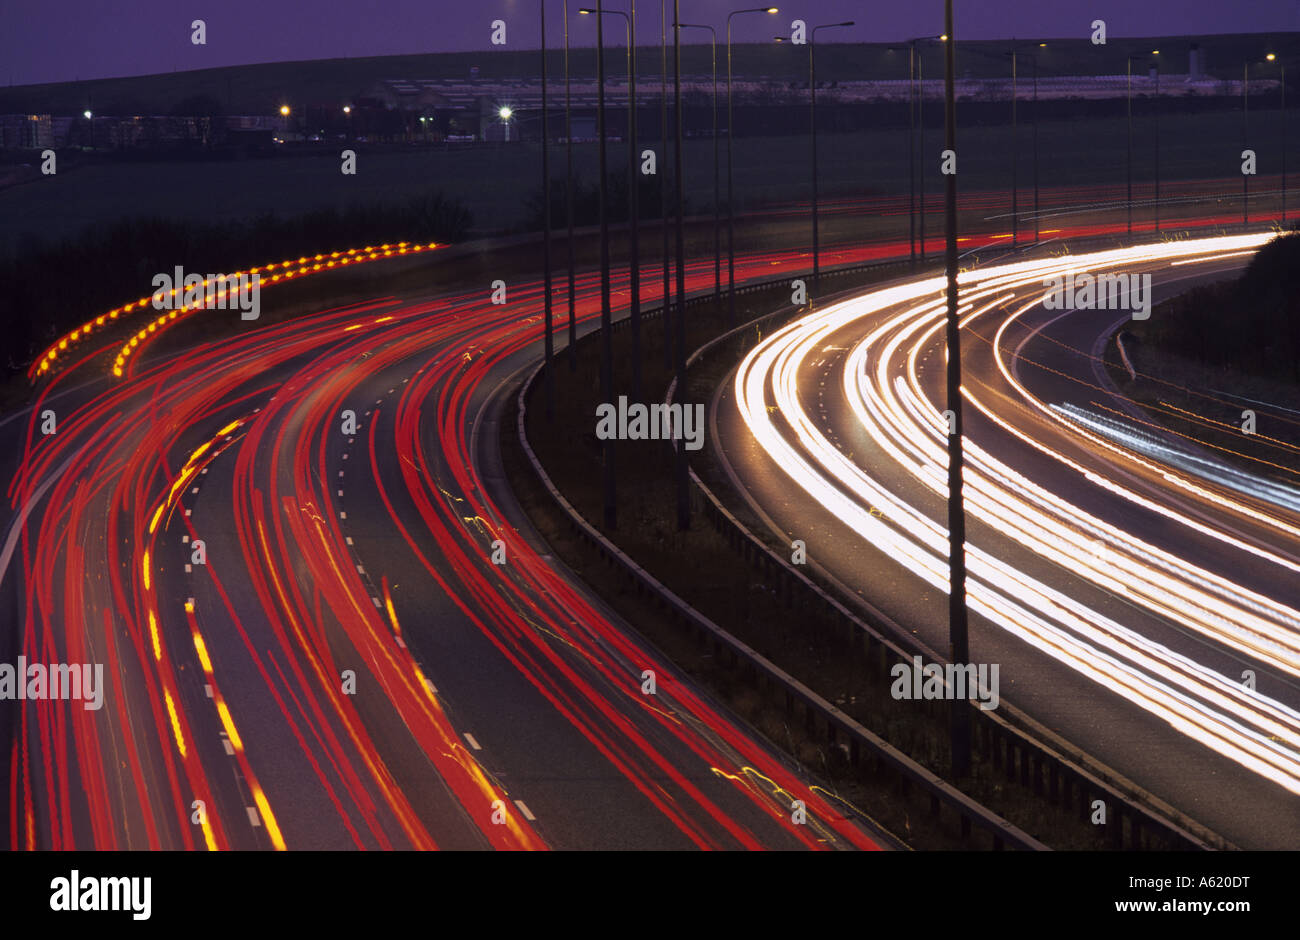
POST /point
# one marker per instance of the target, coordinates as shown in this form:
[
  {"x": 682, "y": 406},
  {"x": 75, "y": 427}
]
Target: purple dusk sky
[{"x": 42, "y": 41}]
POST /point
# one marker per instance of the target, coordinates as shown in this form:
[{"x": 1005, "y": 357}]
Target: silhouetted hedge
[{"x": 1251, "y": 324}]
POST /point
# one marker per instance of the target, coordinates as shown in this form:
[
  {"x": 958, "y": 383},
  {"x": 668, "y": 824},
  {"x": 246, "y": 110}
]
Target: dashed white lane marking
[
  {"x": 187, "y": 513},
  {"x": 203, "y": 471},
  {"x": 432, "y": 688},
  {"x": 345, "y": 456},
  {"x": 340, "y": 492},
  {"x": 349, "y": 538},
  {"x": 526, "y": 811},
  {"x": 472, "y": 743},
  {"x": 343, "y": 515},
  {"x": 188, "y": 569},
  {"x": 207, "y": 690},
  {"x": 340, "y": 473},
  {"x": 400, "y": 642},
  {"x": 376, "y": 600},
  {"x": 230, "y": 748},
  {"x": 185, "y": 540},
  {"x": 360, "y": 570},
  {"x": 194, "y": 490},
  {"x": 252, "y": 816}
]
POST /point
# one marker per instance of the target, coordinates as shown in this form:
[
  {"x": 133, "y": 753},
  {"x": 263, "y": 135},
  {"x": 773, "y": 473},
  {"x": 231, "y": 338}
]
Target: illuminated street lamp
[
  {"x": 1272, "y": 57},
  {"x": 505, "y": 113},
  {"x": 812, "y": 111},
  {"x": 731, "y": 133}
]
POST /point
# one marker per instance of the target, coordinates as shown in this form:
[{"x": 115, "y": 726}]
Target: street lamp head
[
  {"x": 943, "y": 37},
  {"x": 347, "y": 109},
  {"x": 1271, "y": 56},
  {"x": 284, "y": 110},
  {"x": 586, "y": 12},
  {"x": 1155, "y": 52},
  {"x": 86, "y": 113},
  {"x": 771, "y": 10},
  {"x": 505, "y": 113}
]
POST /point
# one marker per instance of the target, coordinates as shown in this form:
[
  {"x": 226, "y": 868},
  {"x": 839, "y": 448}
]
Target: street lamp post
[
  {"x": 1155, "y": 67},
  {"x": 681, "y": 468},
  {"x": 666, "y": 306},
  {"x": 1156, "y": 123},
  {"x": 1272, "y": 57},
  {"x": 911, "y": 150},
  {"x": 633, "y": 194},
  {"x": 1015, "y": 159},
  {"x": 1016, "y": 54},
  {"x": 546, "y": 234},
  {"x": 731, "y": 200},
  {"x": 717, "y": 187},
  {"x": 1245, "y": 140},
  {"x": 1128, "y": 64},
  {"x": 568, "y": 195},
  {"x": 1034, "y": 59},
  {"x": 958, "y": 641},
  {"x": 915, "y": 95},
  {"x": 1129, "y": 97},
  {"x": 606, "y": 329},
  {"x": 812, "y": 133}
]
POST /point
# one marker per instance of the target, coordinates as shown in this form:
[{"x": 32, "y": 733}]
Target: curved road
[{"x": 1123, "y": 581}]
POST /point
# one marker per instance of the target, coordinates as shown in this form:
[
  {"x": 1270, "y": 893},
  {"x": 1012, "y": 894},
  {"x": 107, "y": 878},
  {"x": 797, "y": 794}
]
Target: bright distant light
[
  {"x": 505, "y": 114},
  {"x": 1270, "y": 57},
  {"x": 773, "y": 10},
  {"x": 347, "y": 109},
  {"x": 943, "y": 38},
  {"x": 86, "y": 114},
  {"x": 284, "y": 109}
]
